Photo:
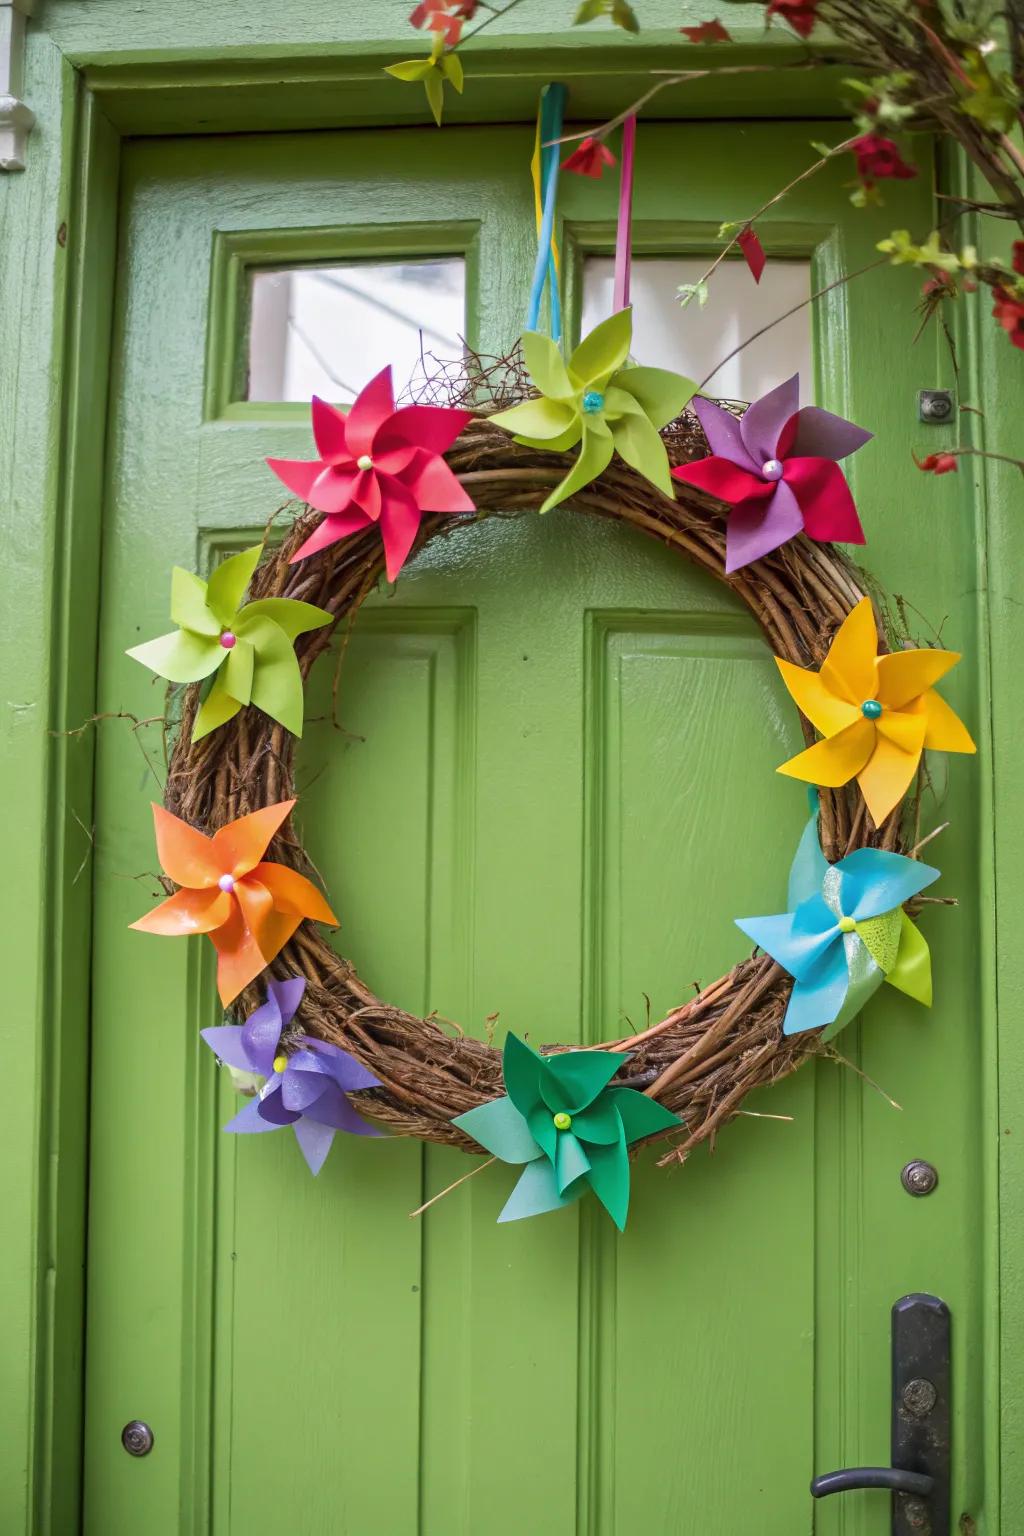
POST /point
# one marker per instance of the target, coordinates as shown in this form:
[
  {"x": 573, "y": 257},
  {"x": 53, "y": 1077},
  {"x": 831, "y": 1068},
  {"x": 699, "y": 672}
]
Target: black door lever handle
[{"x": 872, "y": 1477}]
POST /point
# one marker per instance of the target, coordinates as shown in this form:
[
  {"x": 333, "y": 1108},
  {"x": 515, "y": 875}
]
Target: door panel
[{"x": 544, "y": 789}]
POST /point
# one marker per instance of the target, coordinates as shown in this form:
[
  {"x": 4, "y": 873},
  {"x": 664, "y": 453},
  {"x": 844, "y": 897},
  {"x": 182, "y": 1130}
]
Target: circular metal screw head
[
  {"x": 919, "y": 1177},
  {"x": 919, "y": 1397},
  {"x": 137, "y": 1438}
]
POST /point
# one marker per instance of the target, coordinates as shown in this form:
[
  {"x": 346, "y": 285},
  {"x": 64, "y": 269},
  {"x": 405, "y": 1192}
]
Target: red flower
[
  {"x": 1018, "y": 257},
  {"x": 707, "y": 32},
  {"x": 1009, "y": 311},
  {"x": 444, "y": 16},
  {"x": 589, "y": 159},
  {"x": 937, "y": 463},
  {"x": 801, "y": 14},
  {"x": 753, "y": 252},
  {"x": 879, "y": 159}
]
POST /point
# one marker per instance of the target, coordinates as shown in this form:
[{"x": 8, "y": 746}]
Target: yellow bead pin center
[
  {"x": 562, "y": 1121},
  {"x": 280, "y": 1062}
]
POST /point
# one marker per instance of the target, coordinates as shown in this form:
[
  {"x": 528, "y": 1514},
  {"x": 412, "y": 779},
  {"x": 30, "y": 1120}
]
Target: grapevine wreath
[{"x": 754, "y": 496}]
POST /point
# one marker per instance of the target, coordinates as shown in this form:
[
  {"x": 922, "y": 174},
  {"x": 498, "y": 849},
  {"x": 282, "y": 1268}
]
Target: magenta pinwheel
[
  {"x": 306, "y": 1087},
  {"x": 377, "y": 464},
  {"x": 776, "y": 466}
]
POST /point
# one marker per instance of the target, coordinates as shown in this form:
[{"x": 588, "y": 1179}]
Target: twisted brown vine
[{"x": 704, "y": 1057}]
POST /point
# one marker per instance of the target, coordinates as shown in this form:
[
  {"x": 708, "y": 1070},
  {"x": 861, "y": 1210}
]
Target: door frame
[{"x": 58, "y": 261}]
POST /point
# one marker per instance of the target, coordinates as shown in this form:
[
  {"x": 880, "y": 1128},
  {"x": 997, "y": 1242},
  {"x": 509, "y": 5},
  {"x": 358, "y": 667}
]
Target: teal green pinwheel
[
  {"x": 599, "y": 400},
  {"x": 570, "y": 1128},
  {"x": 250, "y": 647}
]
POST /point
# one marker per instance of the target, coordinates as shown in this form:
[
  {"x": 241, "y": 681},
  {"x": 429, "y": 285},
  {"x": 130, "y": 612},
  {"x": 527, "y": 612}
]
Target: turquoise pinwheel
[
  {"x": 568, "y": 1126},
  {"x": 599, "y": 400},
  {"x": 845, "y": 933},
  {"x": 250, "y": 647}
]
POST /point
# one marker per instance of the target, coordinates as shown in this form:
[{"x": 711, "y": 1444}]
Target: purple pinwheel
[
  {"x": 306, "y": 1089},
  {"x": 776, "y": 466}
]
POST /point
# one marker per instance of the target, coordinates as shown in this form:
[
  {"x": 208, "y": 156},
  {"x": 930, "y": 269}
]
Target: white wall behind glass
[
  {"x": 326, "y": 331},
  {"x": 692, "y": 340}
]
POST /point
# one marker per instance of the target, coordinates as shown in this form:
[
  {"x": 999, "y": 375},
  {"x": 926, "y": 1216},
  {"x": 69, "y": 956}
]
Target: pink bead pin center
[
  {"x": 227, "y": 883},
  {"x": 227, "y": 639}
]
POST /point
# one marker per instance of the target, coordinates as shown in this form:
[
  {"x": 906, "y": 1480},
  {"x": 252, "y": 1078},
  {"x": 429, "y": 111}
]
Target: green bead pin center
[
  {"x": 871, "y": 709},
  {"x": 562, "y": 1121},
  {"x": 847, "y": 925},
  {"x": 593, "y": 401}
]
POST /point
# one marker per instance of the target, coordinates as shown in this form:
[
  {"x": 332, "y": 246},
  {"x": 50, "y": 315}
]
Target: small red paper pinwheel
[
  {"x": 377, "y": 465},
  {"x": 250, "y": 908}
]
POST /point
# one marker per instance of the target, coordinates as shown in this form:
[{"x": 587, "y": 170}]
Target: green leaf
[
  {"x": 726, "y": 230},
  {"x": 188, "y": 603},
  {"x": 410, "y": 69},
  {"x": 538, "y": 421},
  {"x": 450, "y": 66},
  {"x": 218, "y": 707},
  {"x": 229, "y": 582},
  {"x": 433, "y": 84},
  {"x": 662, "y": 394},
  {"x": 277, "y": 680},
  {"x": 990, "y": 110},
  {"x": 641, "y": 1116},
  {"x": 287, "y": 613},
  {"x": 637, "y": 441},
  {"x": 686, "y": 292},
  {"x": 603, "y": 352},
  {"x": 594, "y": 457},
  {"x": 590, "y": 10},
  {"x": 624, "y": 16},
  {"x": 501, "y": 1130},
  {"x": 824, "y": 150},
  {"x": 912, "y": 972},
  {"x": 180, "y": 657},
  {"x": 546, "y": 368}
]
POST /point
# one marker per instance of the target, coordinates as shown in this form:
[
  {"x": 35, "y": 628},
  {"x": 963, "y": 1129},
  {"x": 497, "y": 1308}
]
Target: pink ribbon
[{"x": 624, "y": 234}]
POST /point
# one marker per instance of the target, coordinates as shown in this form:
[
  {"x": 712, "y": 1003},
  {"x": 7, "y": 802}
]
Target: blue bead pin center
[
  {"x": 871, "y": 709},
  {"x": 593, "y": 401}
]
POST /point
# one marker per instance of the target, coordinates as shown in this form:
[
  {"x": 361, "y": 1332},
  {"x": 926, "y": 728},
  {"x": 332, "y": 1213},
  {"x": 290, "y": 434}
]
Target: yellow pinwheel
[{"x": 877, "y": 714}]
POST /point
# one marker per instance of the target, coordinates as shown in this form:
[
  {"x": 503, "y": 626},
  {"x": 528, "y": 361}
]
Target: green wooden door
[{"x": 553, "y": 792}]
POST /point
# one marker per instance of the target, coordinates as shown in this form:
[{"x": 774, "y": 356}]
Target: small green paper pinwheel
[
  {"x": 571, "y": 1130},
  {"x": 251, "y": 648},
  {"x": 599, "y": 400}
]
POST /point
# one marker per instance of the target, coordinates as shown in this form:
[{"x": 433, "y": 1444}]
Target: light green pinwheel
[
  {"x": 250, "y": 647},
  {"x": 600, "y": 400}
]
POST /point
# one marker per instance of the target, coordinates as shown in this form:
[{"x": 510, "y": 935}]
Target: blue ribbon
[{"x": 552, "y": 108}]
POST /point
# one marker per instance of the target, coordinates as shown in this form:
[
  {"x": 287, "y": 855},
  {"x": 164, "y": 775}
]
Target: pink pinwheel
[
  {"x": 777, "y": 467},
  {"x": 377, "y": 465}
]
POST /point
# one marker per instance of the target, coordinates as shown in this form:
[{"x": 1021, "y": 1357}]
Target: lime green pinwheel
[
  {"x": 249, "y": 647},
  {"x": 600, "y": 400},
  {"x": 562, "y": 1119}
]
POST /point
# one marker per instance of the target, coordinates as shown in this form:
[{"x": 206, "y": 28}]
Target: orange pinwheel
[
  {"x": 249, "y": 908},
  {"x": 876, "y": 713}
]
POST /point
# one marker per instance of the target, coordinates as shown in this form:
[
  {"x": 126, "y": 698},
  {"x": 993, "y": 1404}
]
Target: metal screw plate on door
[{"x": 920, "y": 1433}]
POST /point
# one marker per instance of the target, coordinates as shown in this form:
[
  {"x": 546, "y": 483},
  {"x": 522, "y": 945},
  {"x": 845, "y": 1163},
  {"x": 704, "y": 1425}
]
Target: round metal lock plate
[
  {"x": 919, "y": 1178},
  {"x": 137, "y": 1438}
]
